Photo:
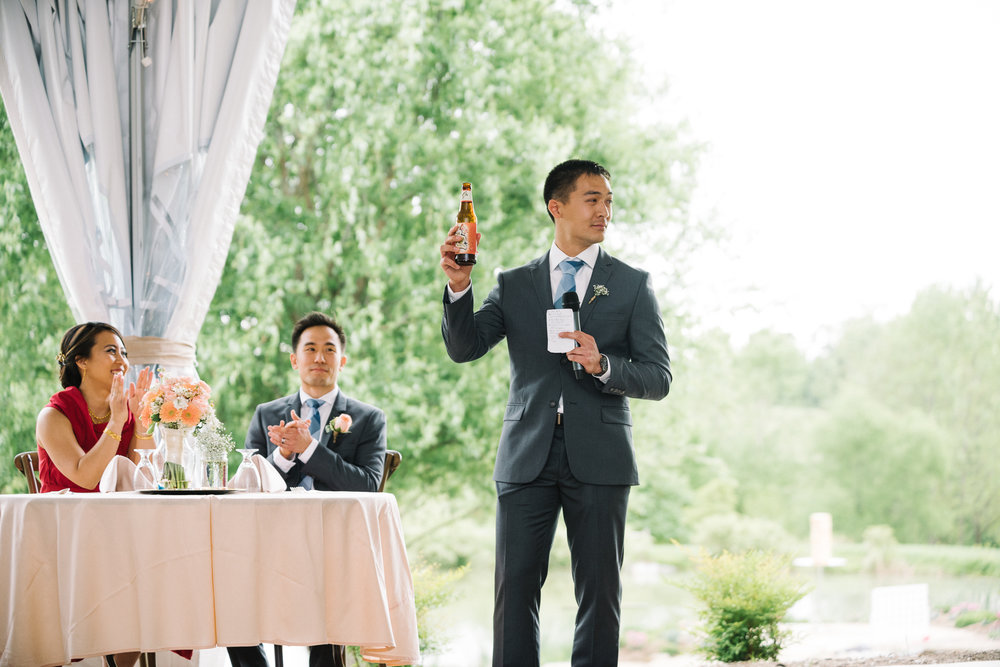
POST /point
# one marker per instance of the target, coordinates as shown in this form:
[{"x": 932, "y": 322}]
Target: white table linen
[{"x": 92, "y": 574}]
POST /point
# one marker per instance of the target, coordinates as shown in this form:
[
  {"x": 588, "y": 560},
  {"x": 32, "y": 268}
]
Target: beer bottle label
[{"x": 467, "y": 243}]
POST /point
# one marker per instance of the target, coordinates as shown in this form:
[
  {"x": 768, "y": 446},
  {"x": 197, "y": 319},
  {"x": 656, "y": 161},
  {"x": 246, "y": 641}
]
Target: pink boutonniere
[{"x": 341, "y": 424}]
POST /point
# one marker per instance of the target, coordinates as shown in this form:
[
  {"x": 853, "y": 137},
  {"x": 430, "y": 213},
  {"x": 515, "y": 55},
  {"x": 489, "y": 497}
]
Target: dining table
[{"x": 90, "y": 574}]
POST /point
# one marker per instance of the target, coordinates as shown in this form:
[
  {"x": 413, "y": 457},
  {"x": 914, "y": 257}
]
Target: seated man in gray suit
[{"x": 312, "y": 444}]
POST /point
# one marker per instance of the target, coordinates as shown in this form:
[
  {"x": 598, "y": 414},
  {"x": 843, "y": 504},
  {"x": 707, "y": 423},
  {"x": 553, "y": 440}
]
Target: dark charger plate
[{"x": 188, "y": 492}]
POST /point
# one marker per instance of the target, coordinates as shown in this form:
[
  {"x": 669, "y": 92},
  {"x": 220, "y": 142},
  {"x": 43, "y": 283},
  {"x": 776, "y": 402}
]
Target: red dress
[{"x": 71, "y": 403}]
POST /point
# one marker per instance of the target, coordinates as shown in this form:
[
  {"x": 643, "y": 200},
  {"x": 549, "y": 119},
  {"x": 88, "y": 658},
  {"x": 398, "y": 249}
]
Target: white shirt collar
[
  {"x": 327, "y": 398},
  {"x": 589, "y": 256}
]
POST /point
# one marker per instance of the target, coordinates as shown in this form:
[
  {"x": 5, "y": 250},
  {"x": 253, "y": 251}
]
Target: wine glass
[
  {"x": 144, "y": 476},
  {"x": 247, "y": 477}
]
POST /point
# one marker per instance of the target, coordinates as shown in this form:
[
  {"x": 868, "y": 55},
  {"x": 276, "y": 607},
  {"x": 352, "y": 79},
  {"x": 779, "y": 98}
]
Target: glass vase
[
  {"x": 178, "y": 458},
  {"x": 213, "y": 470}
]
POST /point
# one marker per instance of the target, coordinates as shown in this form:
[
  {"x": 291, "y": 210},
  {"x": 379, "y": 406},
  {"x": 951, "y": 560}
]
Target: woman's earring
[{"x": 83, "y": 374}]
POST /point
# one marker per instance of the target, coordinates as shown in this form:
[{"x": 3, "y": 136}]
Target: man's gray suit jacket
[
  {"x": 627, "y": 327},
  {"x": 351, "y": 462}
]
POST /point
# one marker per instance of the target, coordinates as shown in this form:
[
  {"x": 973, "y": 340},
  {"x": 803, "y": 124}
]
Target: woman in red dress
[{"x": 91, "y": 419}]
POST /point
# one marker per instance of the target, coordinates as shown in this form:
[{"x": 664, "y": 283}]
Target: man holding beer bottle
[{"x": 566, "y": 443}]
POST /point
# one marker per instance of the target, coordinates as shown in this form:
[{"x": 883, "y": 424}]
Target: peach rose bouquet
[
  {"x": 176, "y": 403},
  {"x": 181, "y": 407}
]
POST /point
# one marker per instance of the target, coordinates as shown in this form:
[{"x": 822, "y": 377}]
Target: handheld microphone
[{"x": 571, "y": 300}]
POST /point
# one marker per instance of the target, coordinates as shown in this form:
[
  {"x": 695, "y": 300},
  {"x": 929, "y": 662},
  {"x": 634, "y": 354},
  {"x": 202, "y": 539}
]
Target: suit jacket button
[{"x": 552, "y": 404}]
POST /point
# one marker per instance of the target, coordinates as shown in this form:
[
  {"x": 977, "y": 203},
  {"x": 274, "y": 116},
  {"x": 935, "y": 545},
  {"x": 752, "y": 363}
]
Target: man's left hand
[{"x": 587, "y": 354}]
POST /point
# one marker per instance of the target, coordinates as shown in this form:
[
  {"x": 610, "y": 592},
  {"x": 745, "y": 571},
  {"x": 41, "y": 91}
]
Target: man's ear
[
  {"x": 343, "y": 361},
  {"x": 295, "y": 362},
  {"x": 554, "y": 209}
]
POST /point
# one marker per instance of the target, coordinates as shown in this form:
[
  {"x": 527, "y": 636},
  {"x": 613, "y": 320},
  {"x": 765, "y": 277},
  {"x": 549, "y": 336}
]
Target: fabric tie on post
[{"x": 569, "y": 267}]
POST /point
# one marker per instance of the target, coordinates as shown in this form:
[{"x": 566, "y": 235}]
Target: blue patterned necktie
[
  {"x": 315, "y": 429},
  {"x": 315, "y": 425},
  {"x": 569, "y": 267}
]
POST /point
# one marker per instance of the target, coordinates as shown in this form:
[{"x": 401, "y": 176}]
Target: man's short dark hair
[
  {"x": 315, "y": 319},
  {"x": 562, "y": 179}
]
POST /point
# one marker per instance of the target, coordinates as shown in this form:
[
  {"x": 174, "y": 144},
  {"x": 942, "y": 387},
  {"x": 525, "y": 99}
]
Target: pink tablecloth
[{"x": 92, "y": 574}]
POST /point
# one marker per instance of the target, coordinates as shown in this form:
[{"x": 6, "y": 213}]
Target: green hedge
[{"x": 930, "y": 558}]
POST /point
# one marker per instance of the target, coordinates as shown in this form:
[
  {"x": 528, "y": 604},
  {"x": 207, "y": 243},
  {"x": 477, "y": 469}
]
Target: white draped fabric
[{"x": 64, "y": 77}]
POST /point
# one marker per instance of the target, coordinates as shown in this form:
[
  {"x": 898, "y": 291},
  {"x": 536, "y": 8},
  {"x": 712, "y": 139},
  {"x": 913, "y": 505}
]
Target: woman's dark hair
[{"x": 77, "y": 344}]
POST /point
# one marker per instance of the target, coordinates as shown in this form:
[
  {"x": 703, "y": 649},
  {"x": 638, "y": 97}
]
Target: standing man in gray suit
[
  {"x": 566, "y": 443},
  {"x": 308, "y": 439}
]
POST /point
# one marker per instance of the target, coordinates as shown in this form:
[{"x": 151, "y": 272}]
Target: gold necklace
[{"x": 99, "y": 420}]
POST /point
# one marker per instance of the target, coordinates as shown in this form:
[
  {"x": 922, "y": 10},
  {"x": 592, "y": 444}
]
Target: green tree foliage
[
  {"x": 883, "y": 467},
  {"x": 380, "y": 112},
  {"x": 33, "y": 313},
  {"x": 895, "y": 424},
  {"x": 747, "y": 417},
  {"x": 941, "y": 360}
]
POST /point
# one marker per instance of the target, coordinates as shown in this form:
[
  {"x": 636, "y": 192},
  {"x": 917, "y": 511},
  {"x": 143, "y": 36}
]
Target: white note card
[{"x": 558, "y": 320}]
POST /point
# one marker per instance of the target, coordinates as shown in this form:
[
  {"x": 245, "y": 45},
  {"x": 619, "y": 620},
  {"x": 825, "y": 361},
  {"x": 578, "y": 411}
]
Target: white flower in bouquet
[{"x": 214, "y": 440}]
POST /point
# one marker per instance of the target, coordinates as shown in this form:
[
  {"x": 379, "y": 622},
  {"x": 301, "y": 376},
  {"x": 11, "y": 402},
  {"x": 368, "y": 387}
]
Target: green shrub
[
  {"x": 746, "y": 596},
  {"x": 959, "y": 561},
  {"x": 925, "y": 559},
  {"x": 974, "y": 617}
]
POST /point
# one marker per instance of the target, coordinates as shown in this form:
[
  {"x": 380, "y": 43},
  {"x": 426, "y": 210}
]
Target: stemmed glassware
[
  {"x": 144, "y": 476},
  {"x": 247, "y": 477}
]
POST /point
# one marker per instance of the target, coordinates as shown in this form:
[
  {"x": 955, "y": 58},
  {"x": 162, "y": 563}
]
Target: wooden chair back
[
  {"x": 392, "y": 461},
  {"x": 27, "y": 464}
]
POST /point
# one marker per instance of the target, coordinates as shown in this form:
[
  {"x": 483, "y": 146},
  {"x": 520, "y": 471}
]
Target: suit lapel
[
  {"x": 603, "y": 270},
  {"x": 293, "y": 402},
  {"x": 542, "y": 281}
]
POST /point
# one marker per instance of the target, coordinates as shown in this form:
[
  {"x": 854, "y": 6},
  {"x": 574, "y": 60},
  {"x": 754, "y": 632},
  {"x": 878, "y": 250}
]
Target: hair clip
[{"x": 61, "y": 358}]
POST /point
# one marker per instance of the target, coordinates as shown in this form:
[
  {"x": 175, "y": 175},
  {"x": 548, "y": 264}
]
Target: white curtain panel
[
  {"x": 64, "y": 77},
  {"x": 58, "y": 81}
]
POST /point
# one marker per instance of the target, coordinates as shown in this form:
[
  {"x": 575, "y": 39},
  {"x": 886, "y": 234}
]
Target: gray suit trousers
[{"x": 525, "y": 527}]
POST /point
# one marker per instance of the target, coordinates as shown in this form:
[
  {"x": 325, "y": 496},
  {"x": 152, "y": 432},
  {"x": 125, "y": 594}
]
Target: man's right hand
[
  {"x": 459, "y": 277},
  {"x": 292, "y": 437}
]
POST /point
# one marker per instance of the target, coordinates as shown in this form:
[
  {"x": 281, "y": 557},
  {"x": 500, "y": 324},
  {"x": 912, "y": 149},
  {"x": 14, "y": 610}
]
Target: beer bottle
[{"x": 466, "y": 254}]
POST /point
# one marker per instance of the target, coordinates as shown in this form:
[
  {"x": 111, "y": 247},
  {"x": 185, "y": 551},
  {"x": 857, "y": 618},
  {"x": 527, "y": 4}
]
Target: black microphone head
[{"x": 571, "y": 300}]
